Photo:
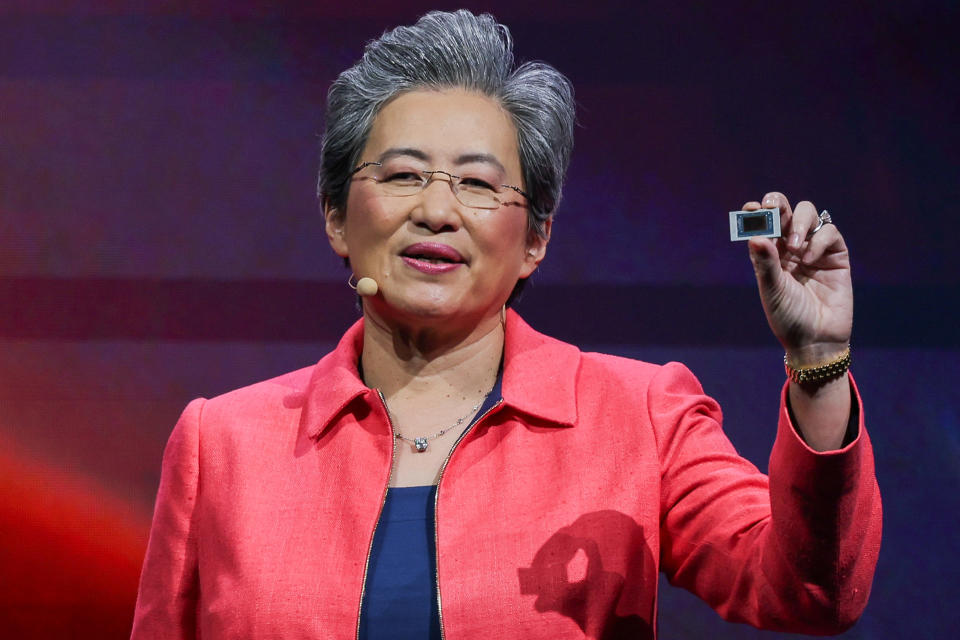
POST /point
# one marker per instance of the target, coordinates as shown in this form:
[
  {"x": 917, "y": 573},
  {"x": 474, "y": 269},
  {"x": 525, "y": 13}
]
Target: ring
[{"x": 822, "y": 218}]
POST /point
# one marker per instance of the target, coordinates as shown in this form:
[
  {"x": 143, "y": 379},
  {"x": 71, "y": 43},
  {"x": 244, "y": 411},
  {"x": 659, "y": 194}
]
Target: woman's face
[{"x": 433, "y": 257}]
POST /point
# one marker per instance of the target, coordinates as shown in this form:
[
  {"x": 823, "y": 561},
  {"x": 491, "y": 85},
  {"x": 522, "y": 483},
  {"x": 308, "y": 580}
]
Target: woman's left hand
[{"x": 804, "y": 281}]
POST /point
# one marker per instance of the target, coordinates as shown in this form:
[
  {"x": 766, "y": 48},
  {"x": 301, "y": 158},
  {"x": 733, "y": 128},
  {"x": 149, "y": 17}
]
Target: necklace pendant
[{"x": 420, "y": 444}]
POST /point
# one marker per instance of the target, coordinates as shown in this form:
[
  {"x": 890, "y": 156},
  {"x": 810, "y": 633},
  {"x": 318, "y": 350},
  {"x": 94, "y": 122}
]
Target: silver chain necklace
[{"x": 422, "y": 443}]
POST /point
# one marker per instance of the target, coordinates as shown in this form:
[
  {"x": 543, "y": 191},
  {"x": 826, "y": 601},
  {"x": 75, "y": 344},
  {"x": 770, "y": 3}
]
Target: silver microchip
[{"x": 762, "y": 223}]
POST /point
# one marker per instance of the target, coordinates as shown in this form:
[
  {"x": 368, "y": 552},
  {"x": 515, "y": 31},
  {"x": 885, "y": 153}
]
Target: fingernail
[
  {"x": 769, "y": 201},
  {"x": 794, "y": 241}
]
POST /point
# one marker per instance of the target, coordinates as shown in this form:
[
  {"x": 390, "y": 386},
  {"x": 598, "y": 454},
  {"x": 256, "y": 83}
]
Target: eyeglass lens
[{"x": 472, "y": 191}]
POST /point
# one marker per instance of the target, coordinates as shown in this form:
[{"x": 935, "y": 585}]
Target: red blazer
[{"x": 553, "y": 516}]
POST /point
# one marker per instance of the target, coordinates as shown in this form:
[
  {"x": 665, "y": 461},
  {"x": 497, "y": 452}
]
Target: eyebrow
[
  {"x": 485, "y": 158},
  {"x": 403, "y": 151},
  {"x": 466, "y": 158}
]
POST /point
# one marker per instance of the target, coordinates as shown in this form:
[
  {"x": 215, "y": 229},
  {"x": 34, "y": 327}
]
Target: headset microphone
[{"x": 367, "y": 287}]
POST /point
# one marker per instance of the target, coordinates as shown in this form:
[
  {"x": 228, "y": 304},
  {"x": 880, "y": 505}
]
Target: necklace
[{"x": 423, "y": 442}]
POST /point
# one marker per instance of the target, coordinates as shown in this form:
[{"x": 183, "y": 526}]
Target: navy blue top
[{"x": 400, "y": 601}]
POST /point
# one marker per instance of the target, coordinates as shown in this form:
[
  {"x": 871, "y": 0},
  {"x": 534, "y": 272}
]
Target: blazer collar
[
  {"x": 539, "y": 377},
  {"x": 335, "y": 382},
  {"x": 539, "y": 373}
]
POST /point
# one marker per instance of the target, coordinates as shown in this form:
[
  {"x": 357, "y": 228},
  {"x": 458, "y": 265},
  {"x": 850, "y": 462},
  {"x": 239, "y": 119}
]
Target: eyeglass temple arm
[{"x": 365, "y": 165}]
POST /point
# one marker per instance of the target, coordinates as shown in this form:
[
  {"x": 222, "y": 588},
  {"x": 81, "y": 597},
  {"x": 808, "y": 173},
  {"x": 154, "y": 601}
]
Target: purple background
[{"x": 159, "y": 240}]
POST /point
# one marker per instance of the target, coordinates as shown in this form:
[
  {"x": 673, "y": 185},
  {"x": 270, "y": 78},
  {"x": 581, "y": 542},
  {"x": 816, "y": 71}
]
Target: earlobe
[
  {"x": 537, "y": 246},
  {"x": 334, "y": 225}
]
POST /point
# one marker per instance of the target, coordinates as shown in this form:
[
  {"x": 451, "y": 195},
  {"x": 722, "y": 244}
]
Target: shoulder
[
  {"x": 609, "y": 375},
  {"x": 259, "y": 408},
  {"x": 265, "y": 391},
  {"x": 612, "y": 367},
  {"x": 638, "y": 374},
  {"x": 547, "y": 361},
  {"x": 270, "y": 411}
]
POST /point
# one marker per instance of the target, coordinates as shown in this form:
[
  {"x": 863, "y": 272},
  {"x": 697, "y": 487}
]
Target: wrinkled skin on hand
[{"x": 804, "y": 282}]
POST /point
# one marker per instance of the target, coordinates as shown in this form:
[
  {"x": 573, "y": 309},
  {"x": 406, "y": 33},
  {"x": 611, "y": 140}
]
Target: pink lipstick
[{"x": 432, "y": 257}]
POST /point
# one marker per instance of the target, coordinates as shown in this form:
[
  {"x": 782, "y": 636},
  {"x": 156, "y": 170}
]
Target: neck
[{"x": 403, "y": 360}]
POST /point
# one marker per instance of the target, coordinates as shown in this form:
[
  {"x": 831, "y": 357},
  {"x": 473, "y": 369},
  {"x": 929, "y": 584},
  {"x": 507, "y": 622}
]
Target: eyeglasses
[{"x": 470, "y": 191}]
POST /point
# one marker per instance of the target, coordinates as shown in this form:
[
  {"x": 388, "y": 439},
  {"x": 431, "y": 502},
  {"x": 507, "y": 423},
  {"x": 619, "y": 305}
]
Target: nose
[{"x": 437, "y": 207}]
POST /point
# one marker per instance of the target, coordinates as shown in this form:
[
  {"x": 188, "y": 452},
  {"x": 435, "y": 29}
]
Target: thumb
[{"x": 766, "y": 262}]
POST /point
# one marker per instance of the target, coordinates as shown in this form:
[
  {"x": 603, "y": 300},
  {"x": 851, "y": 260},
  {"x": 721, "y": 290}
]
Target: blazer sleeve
[
  {"x": 792, "y": 552},
  {"x": 168, "y": 595}
]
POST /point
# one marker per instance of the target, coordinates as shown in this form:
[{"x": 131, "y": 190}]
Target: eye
[
  {"x": 476, "y": 184},
  {"x": 404, "y": 178}
]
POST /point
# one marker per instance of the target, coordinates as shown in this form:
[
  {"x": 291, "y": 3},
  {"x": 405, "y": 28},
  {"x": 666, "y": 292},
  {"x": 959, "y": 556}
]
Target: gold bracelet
[{"x": 820, "y": 374}]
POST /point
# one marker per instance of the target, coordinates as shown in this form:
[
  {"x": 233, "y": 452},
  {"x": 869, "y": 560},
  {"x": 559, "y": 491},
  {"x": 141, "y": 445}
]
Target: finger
[
  {"x": 776, "y": 200},
  {"x": 753, "y": 205},
  {"x": 804, "y": 220},
  {"x": 827, "y": 238},
  {"x": 766, "y": 263}
]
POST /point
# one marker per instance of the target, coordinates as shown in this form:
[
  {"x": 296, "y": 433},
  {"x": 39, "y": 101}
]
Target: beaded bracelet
[{"x": 821, "y": 373}]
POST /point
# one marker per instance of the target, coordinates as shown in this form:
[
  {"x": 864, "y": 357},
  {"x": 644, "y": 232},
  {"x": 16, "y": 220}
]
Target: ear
[
  {"x": 335, "y": 224},
  {"x": 536, "y": 248}
]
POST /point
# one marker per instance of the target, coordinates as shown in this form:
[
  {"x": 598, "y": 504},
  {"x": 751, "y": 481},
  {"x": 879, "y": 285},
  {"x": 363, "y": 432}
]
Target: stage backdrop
[{"x": 160, "y": 240}]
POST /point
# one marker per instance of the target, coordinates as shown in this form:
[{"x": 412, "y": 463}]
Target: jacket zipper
[
  {"x": 383, "y": 501},
  {"x": 436, "y": 500}
]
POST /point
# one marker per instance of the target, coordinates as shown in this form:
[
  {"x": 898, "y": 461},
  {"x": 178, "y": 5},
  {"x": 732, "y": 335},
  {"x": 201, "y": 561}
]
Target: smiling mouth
[
  {"x": 433, "y": 253},
  {"x": 432, "y": 258},
  {"x": 429, "y": 259}
]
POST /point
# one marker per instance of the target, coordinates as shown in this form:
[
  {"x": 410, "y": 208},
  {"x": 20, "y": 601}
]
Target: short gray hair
[{"x": 452, "y": 50}]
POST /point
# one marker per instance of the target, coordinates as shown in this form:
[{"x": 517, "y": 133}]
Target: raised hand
[
  {"x": 804, "y": 282},
  {"x": 807, "y": 294}
]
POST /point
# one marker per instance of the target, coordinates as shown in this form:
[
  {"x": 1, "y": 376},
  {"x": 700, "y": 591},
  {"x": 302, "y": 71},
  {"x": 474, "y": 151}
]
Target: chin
[
  {"x": 430, "y": 306},
  {"x": 426, "y": 304}
]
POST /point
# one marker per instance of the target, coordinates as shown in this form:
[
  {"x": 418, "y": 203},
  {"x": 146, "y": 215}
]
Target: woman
[{"x": 447, "y": 470}]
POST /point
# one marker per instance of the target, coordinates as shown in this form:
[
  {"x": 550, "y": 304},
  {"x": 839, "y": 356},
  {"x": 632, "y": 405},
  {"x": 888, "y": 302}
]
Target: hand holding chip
[
  {"x": 803, "y": 278},
  {"x": 805, "y": 287}
]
